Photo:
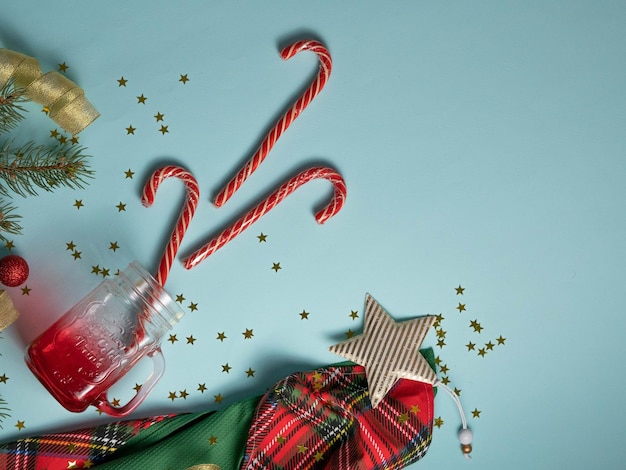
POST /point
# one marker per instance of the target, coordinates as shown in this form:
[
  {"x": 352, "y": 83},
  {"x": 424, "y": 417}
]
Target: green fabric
[{"x": 183, "y": 441}]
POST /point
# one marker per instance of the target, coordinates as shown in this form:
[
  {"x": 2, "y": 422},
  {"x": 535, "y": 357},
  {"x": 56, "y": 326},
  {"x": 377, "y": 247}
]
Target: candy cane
[
  {"x": 189, "y": 207},
  {"x": 284, "y": 122},
  {"x": 271, "y": 201}
]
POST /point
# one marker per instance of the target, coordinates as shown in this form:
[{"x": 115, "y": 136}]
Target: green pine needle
[
  {"x": 11, "y": 111},
  {"x": 9, "y": 222},
  {"x": 30, "y": 167},
  {"x": 4, "y": 411}
]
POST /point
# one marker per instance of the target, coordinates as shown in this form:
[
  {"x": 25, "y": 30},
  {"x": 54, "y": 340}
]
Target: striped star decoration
[{"x": 388, "y": 350}]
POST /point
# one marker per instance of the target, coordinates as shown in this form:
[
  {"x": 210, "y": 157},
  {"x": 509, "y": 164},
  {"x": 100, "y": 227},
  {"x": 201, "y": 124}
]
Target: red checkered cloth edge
[{"x": 324, "y": 420}]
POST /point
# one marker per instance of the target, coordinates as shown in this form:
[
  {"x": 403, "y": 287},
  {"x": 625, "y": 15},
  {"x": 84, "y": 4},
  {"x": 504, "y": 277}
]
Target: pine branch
[
  {"x": 4, "y": 411},
  {"x": 8, "y": 222},
  {"x": 11, "y": 111},
  {"x": 32, "y": 166}
]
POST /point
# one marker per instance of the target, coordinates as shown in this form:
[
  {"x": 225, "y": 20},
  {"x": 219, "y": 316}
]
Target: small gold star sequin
[
  {"x": 415, "y": 409},
  {"x": 159, "y": 117},
  {"x": 489, "y": 346},
  {"x": 403, "y": 418},
  {"x": 354, "y": 314},
  {"x": 476, "y": 413},
  {"x": 276, "y": 267},
  {"x": 482, "y": 352},
  {"x": 218, "y": 398},
  {"x": 114, "y": 246},
  {"x": 202, "y": 387},
  {"x": 445, "y": 380},
  {"x": 349, "y": 334},
  {"x": 470, "y": 346},
  {"x": 248, "y": 333},
  {"x": 441, "y": 343},
  {"x": 121, "y": 207},
  {"x": 190, "y": 339},
  {"x": 54, "y": 133},
  {"x": 302, "y": 449},
  {"x": 87, "y": 464},
  {"x": 444, "y": 369},
  {"x": 226, "y": 368},
  {"x": 9, "y": 245},
  {"x": 20, "y": 425},
  {"x": 440, "y": 333},
  {"x": 115, "y": 402},
  {"x": 460, "y": 307},
  {"x": 281, "y": 439},
  {"x": 172, "y": 396},
  {"x": 105, "y": 272},
  {"x": 163, "y": 130},
  {"x": 77, "y": 254},
  {"x": 63, "y": 67},
  {"x": 129, "y": 174},
  {"x": 95, "y": 269},
  {"x": 74, "y": 140},
  {"x": 137, "y": 387},
  {"x": 250, "y": 372},
  {"x": 62, "y": 140},
  {"x": 122, "y": 81},
  {"x": 193, "y": 306},
  {"x": 459, "y": 290},
  {"x": 457, "y": 391},
  {"x": 3, "y": 378},
  {"x": 26, "y": 290},
  {"x": 131, "y": 130},
  {"x": 500, "y": 339},
  {"x": 304, "y": 315},
  {"x": 213, "y": 440},
  {"x": 319, "y": 456},
  {"x": 221, "y": 336},
  {"x": 262, "y": 237},
  {"x": 173, "y": 339},
  {"x": 184, "y": 79},
  {"x": 438, "y": 421},
  {"x": 180, "y": 298},
  {"x": 474, "y": 324},
  {"x": 70, "y": 246},
  {"x": 78, "y": 203},
  {"x": 141, "y": 99},
  {"x": 183, "y": 394}
]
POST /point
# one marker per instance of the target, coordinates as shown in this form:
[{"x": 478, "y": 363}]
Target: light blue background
[{"x": 482, "y": 143}]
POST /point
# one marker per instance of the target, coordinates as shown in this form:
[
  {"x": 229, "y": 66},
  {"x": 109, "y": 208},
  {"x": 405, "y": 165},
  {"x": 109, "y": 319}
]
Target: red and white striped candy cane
[
  {"x": 332, "y": 208},
  {"x": 188, "y": 209},
  {"x": 284, "y": 122}
]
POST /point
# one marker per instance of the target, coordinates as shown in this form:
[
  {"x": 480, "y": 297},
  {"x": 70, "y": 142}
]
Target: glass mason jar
[{"x": 84, "y": 353}]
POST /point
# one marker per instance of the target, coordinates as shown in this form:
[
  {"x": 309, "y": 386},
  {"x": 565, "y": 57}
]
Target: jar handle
[{"x": 103, "y": 404}]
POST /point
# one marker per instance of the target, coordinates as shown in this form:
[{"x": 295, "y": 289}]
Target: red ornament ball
[{"x": 13, "y": 270}]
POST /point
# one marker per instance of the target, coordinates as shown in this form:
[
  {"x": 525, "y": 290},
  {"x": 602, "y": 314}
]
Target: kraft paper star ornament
[{"x": 388, "y": 350}]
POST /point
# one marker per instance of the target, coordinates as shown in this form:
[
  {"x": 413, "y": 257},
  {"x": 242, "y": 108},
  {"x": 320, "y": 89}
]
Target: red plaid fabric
[{"x": 324, "y": 420}]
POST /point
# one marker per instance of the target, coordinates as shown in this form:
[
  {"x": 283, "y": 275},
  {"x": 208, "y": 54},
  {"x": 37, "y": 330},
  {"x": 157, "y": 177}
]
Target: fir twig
[
  {"x": 11, "y": 111},
  {"x": 9, "y": 221},
  {"x": 4, "y": 411},
  {"x": 32, "y": 166}
]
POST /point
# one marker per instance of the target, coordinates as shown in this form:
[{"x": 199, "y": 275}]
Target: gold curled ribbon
[
  {"x": 64, "y": 99},
  {"x": 205, "y": 466},
  {"x": 8, "y": 312}
]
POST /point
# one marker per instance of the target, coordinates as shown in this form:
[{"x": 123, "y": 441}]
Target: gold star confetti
[
  {"x": 9, "y": 245},
  {"x": 437, "y": 360},
  {"x": 476, "y": 413},
  {"x": 354, "y": 314},
  {"x": 302, "y": 449},
  {"x": 461, "y": 307},
  {"x": 213, "y": 440},
  {"x": 87, "y": 464},
  {"x": 226, "y": 368},
  {"x": 163, "y": 130},
  {"x": 95, "y": 269},
  {"x": 113, "y": 246},
  {"x": 63, "y": 67},
  {"x": 105, "y": 272},
  {"x": 54, "y": 133},
  {"x": 221, "y": 336},
  {"x": 180, "y": 298},
  {"x": 77, "y": 254},
  {"x": 71, "y": 447},
  {"x": 482, "y": 352},
  {"x": 130, "y": 130},
  {"x": 115, "y": 402},
  {"x": 218, "y": 398},
  {"x": 74, "y": 140},
  {"x": 318, "y": 456},
  {"x": 474, "y": 324},
  {"x": 159, "y": 117},
  {"x": 489, "y": 346},
  {"x": 250, "y": 372},
  {"x": 70, "y": 246},
  {"x": 457, "y": 391},
  {"x": 121, "y": 207},
  {"x": 184, "y": 79},
  {"x": 459, "y": 290},
  {"x": 183, "y": 394},
  {"x": 403, "y": 418},
  {"x": 349, "y": 334},
  {"x": 438, "y": 421},
  {"x": 137, "y": 387},
  {"x": 441, "y": 343},
  {"x": 62, "y": 140},
  {"x": 20, "y": 425},
  {"x": 262, "y": 237},
  {"x": 193, "y": 306},
  {"x": 122, "y": 81},
  {"x": 440, "y": 333},
  {"x": 129, "y": 174},
  {"x": 45, "y": 110},
  {"x": 304, "y": 315},
  {"x": 190, "y": 339},
  {"x": 281, "y": 439},
  {"x": 415, "y": 409},
  {"x": 4, "y": 378},
  {"x": 500, "y": 340},
  {"x": 78, "y": 203},
  {"x": 445, "y": 380},
  {"x": 173, "y": 339},
  {"x": 202, "y": 387},
  {"x": 470, "y": 346},
  {"x": 276, "y": 267},
  {"x": 444, "y": 369},
  {"x": 248, "y": 333},
  {"x": 384, "y": 366},
  {"x": 172, "y": 396},
  {"x": 141, "y": 99},
  {"x": 26, "y": 290}
]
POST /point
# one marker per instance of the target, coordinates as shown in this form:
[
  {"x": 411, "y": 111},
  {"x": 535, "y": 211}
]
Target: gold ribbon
[
  {"x": 64, "y": 99},
  {"x": 8, "y": 312},
  {"x": 205, "y": 466}
]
